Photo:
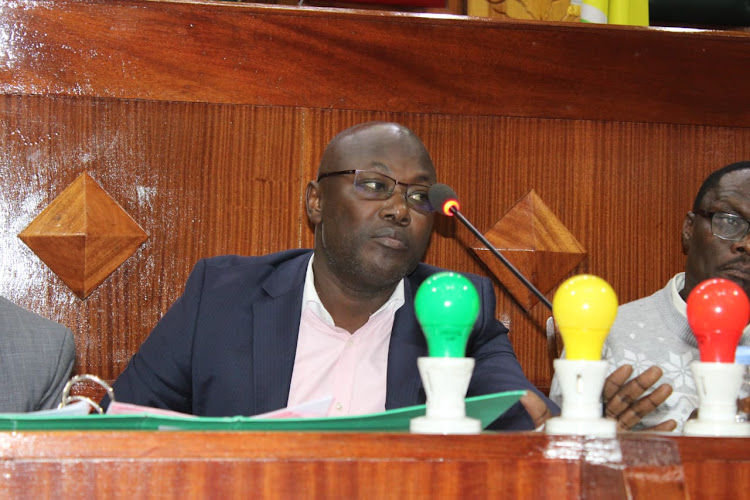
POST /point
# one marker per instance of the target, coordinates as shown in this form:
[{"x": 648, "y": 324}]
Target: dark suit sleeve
[
  {"x": 159, "y": 374},
  {"x": 497, "y": 369}
]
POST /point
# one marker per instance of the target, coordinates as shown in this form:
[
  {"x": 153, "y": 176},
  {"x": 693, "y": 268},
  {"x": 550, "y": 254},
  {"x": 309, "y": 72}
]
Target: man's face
[
  {"x": 709, "y": 256},
  {"x": 371, "y": 244}
]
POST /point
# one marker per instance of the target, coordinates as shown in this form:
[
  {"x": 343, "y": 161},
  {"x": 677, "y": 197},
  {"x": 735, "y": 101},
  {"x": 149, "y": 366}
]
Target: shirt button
[{"x": 339, "y": 406}]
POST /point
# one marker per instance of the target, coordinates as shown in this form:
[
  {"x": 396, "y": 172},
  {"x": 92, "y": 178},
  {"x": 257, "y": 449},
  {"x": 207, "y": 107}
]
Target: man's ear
[
  {"x": 313, "y": 203},
  {"x": 687, "y": 231}
]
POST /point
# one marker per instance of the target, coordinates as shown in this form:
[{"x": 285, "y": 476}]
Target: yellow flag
[{"x": 632, "y": 12}]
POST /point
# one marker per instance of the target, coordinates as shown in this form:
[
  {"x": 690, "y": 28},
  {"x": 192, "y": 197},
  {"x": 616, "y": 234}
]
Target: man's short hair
[{"x": 713, "y": 180}]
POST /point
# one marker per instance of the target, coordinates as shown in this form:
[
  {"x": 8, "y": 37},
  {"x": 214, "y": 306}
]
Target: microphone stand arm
[{"x": 505, "y": 261}]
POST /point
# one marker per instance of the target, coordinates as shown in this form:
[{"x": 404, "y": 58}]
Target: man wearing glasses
[
  {"x": 255, "y": 334},
  {"x": 651, "y": 336}
]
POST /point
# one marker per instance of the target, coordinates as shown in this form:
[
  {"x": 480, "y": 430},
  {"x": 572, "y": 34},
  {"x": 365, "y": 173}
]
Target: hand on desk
[
  {"x": 536, "y": 408},
  {"x": 743, "y": 405},
  {"x": 623, "y": 400}
]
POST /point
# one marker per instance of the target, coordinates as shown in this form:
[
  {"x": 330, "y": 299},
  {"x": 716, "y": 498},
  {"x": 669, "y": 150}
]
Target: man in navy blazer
[{"x": 228, "y": 344}]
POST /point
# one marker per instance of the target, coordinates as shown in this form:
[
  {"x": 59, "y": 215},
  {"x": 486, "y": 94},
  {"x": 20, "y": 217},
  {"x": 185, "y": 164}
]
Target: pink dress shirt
[{"x": 330, "y": 361}]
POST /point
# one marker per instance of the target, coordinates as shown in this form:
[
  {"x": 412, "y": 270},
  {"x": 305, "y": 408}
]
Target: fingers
[
  {"x": 743, "y": 405},
  {"x": 666, "y": 426},
  {"x": 616, "y": 402},
  {"x": 536, "y": 408},
  {"x": 624, "y": 402},
  {"x": 635, "y": 412},
  {"x": 616, "y": 379}
]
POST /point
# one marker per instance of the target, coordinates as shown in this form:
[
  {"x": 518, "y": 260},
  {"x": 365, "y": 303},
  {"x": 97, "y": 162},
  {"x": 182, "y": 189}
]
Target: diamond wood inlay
[
  {"x": 83, "y": 235},
  {"x": 534, "y": 240}
]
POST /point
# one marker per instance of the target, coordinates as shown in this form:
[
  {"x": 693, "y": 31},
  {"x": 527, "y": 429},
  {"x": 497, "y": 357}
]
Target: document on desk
[
  {"x": 311, "y": 409},
  {"x": 119, "y": 408},
  {"x": 77, "y": 409},
  {"x": 485, "y": 408}
]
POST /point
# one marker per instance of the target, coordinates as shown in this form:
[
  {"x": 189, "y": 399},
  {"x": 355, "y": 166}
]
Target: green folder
[{"x": 484, "y": 408}]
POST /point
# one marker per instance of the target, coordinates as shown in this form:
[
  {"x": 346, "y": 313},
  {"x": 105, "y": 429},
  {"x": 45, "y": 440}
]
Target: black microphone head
[{"x": 443, "y": 198}]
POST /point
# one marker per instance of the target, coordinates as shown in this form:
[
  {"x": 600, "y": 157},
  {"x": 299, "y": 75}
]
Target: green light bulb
[
  {"x": 447, "y": 306},
  {"x": 584, "y": 308}
]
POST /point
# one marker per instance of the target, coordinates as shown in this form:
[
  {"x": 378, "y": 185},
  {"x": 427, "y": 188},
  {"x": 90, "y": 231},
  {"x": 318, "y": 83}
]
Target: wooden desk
[{"x": 367, "y": 465}]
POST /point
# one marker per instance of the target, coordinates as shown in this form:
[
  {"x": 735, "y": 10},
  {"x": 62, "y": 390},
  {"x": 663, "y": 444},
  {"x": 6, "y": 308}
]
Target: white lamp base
[
  {"x": 581, "y": 382},
  {"x": 445, "y": 382},
  {"x": 704, "y": 428},
  {"x": 432, "y": 425},
  {"x": 718, "y": 385}
]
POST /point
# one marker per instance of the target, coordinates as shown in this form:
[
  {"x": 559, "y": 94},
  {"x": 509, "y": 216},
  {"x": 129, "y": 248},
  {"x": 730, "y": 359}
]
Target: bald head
[
  {"x": 370, "y": 232},
  {"x": 370, "y": 140}
]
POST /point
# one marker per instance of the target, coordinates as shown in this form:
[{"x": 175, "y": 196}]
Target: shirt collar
[
  {"x": 311, "y": 299},
  {"x": 676, "y": 285}
]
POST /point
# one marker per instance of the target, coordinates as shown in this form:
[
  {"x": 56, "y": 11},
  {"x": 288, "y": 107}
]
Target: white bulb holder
[
  {"x": 717, "y": 385},
  {"x": 581, "y": 382},
  {"x": 445, "y": 382}
]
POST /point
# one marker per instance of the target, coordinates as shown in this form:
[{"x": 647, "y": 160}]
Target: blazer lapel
[
  {"x": 403, "y": 384},
  {"x": 275, "y": 331}
]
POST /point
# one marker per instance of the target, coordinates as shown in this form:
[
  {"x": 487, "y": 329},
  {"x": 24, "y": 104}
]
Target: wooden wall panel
[
  {"x": 205, "y": 121},
  {"x": 622, "y": 190},
  {"x": 200, "y": 179},
  {"x": 374, "y": 61}
]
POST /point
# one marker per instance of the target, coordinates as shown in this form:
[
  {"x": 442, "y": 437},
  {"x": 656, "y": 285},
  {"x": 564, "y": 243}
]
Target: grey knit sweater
[{"x": 654, "y": 331}]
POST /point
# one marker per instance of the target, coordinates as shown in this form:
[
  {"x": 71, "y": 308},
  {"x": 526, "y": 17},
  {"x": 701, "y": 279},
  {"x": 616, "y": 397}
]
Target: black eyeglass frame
[
  {"x": 427, "y": 208},
  {"x": 710, "y": 216}
]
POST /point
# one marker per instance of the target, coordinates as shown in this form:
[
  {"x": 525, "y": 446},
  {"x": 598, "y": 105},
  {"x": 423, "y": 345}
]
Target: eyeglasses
[
  {"x": 372, "y": 185},
  {"x": 726, "y": 226}
]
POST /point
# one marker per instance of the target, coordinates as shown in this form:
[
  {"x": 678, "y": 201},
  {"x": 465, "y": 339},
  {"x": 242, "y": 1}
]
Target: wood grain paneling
[
  {"x": 200, "y": 179},
  {"x": 339, "y": 59},
  {"x": 205, "y": 121},
  {"x": 312, "y": 465}
]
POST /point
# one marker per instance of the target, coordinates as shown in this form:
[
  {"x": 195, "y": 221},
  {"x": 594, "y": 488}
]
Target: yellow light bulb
[{"x": 584, "y": 308}]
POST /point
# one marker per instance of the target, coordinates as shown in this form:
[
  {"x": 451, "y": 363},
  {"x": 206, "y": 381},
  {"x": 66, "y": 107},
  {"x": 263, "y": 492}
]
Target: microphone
[{"x": 444, "y": 200}]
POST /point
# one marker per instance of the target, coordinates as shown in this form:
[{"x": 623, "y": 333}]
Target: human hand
[
  {"x": 743, "y": 405},
  {"x": 623, "y": 401},
  {"x": 536, "y": 408}
]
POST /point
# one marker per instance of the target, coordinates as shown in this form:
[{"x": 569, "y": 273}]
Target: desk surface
[{"x": 367, "y": 465}]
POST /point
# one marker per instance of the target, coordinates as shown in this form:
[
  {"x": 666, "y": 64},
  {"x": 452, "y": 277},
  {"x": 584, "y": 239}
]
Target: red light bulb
[{"x": 717, "y": 311}]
